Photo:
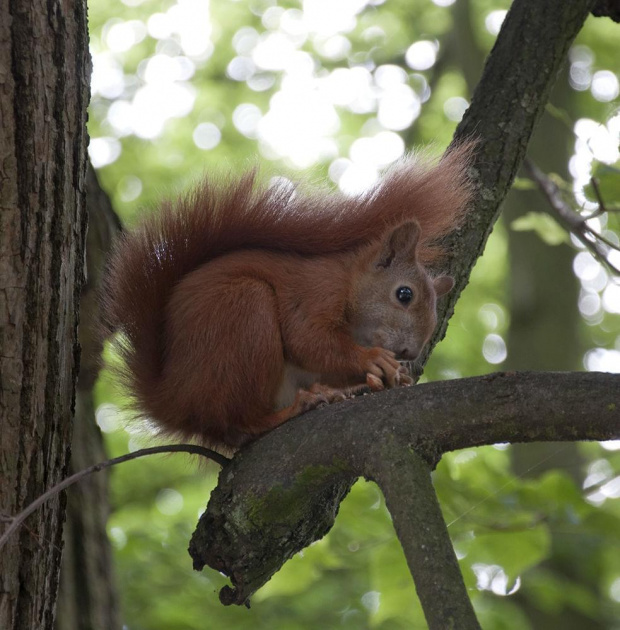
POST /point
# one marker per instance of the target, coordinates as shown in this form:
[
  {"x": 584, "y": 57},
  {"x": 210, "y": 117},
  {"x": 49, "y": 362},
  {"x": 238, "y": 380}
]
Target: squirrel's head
[{"x": 393, "y": 304}]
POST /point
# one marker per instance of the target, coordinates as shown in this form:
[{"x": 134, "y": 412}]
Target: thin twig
[
  {"x": 596, "y": 251},
  {"x": 601, "y": 238},
  {"x": 572, "y": 221},
  {"x": 18, "y": 519},
  {"x": 597, "y": 193},
  {"x": 602, "y": 206}
]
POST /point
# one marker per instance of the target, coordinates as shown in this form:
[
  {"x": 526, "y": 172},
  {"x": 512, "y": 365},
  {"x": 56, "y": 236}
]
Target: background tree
[
  {"x": 44, "y": 79},
  {"x": 88, "y": 598}
]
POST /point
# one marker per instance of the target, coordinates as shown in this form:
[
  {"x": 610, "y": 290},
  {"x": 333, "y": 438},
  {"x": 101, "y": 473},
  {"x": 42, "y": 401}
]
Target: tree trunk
[
  {"x": 88, "y": 599},
  {"x": 44, "y": 75},
  {"x": 545, "y": 324}
]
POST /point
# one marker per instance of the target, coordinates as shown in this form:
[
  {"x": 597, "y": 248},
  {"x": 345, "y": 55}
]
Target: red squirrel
[{"x": 240, "y": 306}]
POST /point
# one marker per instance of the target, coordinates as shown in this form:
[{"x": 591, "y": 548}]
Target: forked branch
[{"x": 282, "y": 493}]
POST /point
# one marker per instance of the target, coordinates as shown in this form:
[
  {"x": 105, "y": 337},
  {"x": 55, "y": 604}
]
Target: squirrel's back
[{"x": 220, "y": 217}]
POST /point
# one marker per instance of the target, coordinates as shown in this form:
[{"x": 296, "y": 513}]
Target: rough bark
[
  {"x": 607, "y": 8},
  {"x": 88, "y": 598},
  {"x": 44, "y": 74}
]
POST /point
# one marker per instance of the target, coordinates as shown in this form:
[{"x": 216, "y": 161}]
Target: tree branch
[
  {"x": 607, "y": 8},
  {"x": 282, "y": 492},
  {"x": 507, "y": 103},
  {"x": 572, "y": 221},
  {"x": 405, "y": 479}
]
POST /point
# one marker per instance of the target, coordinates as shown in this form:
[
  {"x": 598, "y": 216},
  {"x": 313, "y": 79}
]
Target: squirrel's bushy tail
[{"x": 219, "y": 217}]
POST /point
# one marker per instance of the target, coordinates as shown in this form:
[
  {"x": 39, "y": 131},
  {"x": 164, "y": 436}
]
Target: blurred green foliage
[{"x": 503, "y": 526}]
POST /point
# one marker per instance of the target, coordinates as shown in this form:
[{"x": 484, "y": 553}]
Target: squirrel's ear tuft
[
  {"x": 443, "y": 285},
  {"x": 400, "y": 245}
]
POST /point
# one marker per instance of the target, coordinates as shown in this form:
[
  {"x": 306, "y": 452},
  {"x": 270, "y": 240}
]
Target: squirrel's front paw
[{"x": 382, "y": 369}]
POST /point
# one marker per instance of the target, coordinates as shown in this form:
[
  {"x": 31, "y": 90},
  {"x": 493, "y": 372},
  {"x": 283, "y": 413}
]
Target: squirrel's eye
[{"x": 404, "y": 295}]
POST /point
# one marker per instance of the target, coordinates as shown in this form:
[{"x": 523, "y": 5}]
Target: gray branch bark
[{"x": 405, "y": 479}]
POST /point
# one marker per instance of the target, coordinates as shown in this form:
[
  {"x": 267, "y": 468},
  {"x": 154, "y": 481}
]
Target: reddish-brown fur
[{"x": 221, "y": 293}]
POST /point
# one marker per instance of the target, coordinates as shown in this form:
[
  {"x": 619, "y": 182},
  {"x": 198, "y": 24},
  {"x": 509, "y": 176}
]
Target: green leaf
[
  {"x": 524, "y": 183},
  {"x": 608, "y": 178},
  {"x": 545, "y": 226}
]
